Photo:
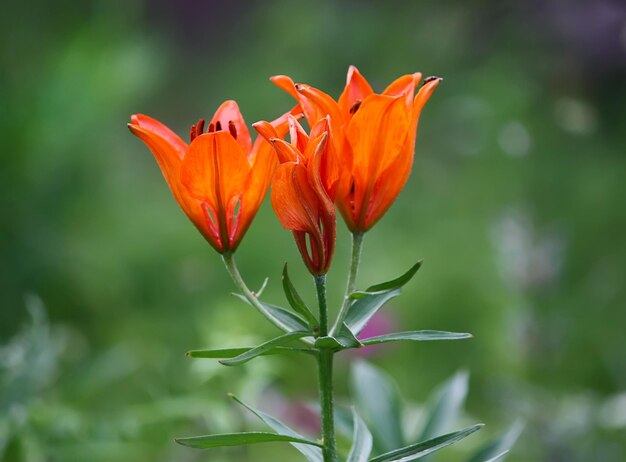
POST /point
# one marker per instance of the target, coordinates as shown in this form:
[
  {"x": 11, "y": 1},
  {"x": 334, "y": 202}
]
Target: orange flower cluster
[{"x": 358, "y": 157}]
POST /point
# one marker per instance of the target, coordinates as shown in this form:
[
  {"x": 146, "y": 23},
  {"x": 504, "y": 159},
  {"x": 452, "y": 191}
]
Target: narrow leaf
[
  {"x": 416, "y": 335},
  {"x": 445, "y": 405},
  {"x": 497, "y": 448},
  {"x": 347, "y": 338},
  {"x": 288, "y": 321},
  {"x": 378, "y": 403},
  {"x": 219, "y": 353},
  {"x": 312, "y": 454},
  {"x": 262, "y": 288},
  {"x": 343, "y": 340},
  {"x": 361, "y": 310},
  {"x": 237, "y": 439},
  {"x": 498, "y": 457},
  {"x": 295, "y": 301},
  {"x": 419, "y": 450},
  {"x": 361, "y": 440},
  {"x": 397, "y": 282},
  {"x": 263, "y": 348}
]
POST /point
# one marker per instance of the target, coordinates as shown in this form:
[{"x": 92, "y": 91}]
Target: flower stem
[
  {"x": 325, "y": 370},
  {"x": 229, "y": 261},
  {"x": 357, "y": 245}
]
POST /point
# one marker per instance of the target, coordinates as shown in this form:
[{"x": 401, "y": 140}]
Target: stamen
[
  {"x": 200, "y": 127},
  {"x": 196, "y": 130},
  {"x": 355, "y": 107},
  {"x": 211, "y": 128},
  {"x": 218, "y": 126},
  {"x": 431, "y": 78},
  {"x": 232, "y": 129}
]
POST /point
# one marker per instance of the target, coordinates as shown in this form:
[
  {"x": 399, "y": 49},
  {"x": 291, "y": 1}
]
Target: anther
[
  {"x": 431, "y": 78},
  {"x": 196, "y": 130},
  {"x": 355, "y": 107},
  {"x": 211, "y": 128},
  {"x": 200, "y": 127},
  {"x": 218, "y": 126},
  {"x": 232, "y": 129}
]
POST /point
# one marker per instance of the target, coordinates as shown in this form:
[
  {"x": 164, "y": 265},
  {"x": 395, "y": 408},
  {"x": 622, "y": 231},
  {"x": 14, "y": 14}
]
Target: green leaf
[
  {"x": 312, "y": 454},
  {"x": 361, "y": 310},
  {"x": 497, "y": 448},
  {"x": 416, "y": 335},
  {"x": 295, "y": 301},
  {"x": 397, "y": 282},
  {"x": 365, "y": 304},
  {"x": 445, "y": 405},
  {"x": 219, "y": 353},
  {"x": 288, "y": 321},
  {"x": 343, "y": 340},
  {"x": 419, "y": 450},
  {"x": 378, "y": 403},
  {"x": 361, "y": 440},
  {"x": 263, "y": 348},
  {"x": 238, "y": 439},
  {"x": 498, "y": 457}
]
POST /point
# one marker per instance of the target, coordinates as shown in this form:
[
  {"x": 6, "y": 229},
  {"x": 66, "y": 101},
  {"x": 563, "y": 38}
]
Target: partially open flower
[
  {"x": 220, "y": 178},
  {"x": 300, "y": 195},
  {"x": 373, "y": 140}
]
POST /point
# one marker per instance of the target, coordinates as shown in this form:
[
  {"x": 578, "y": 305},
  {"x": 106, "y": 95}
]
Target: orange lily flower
[
  {"x": 220, "y": 178},
  {"x": 299, "y": 194},
  {"x": 372, "y": 143}
]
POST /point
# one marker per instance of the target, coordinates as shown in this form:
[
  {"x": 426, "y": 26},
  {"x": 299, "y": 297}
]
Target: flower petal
[
  {"x": 214, "y": 172},
  {"x": 404, "y": 85},
  {"x": 297, "y": 136},
  {"x": 423, "y": 95},
  {"x": 377, "y": 135},
  {"x": 287, "y": 84},
  {"x": 321, "y": 103},
  {"x": 152, "y": 125},
  {"x": 254, "y": 191},
  {"x": 286, "y": 152},
  {"x": 293, "y": 199},
  {"x": 356, "y": 90},
  {"x": 231, "y": 121},
  {"x": 167, "y": 155},
  {"x": 277, "y": 128}
]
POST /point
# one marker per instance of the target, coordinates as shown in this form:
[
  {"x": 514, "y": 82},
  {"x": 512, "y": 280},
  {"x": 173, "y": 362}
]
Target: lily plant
[{"x": 355, "y": 160}]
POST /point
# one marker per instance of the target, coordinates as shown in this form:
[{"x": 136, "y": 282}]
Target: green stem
[
  {"x": 231, "y": 266},
  {"x": 325, "y": 370},
  {"x": 357, "y": 245}
]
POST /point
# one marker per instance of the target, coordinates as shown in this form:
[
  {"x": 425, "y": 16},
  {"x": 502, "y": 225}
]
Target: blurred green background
[{"x": 516, "y": 202}]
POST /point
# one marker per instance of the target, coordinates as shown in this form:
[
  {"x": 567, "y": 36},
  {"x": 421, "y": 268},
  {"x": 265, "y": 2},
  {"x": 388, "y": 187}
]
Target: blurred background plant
[{"x": 516, "y": 203}]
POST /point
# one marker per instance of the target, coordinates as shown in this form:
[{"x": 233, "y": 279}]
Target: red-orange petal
[
  {"x": 147, "y": 123},
  {"x": 255, "y": 188},
  {"x": 377, "y": 133},
  {"x": 287, "y": 84},
  {"x": 321, "y": 103},
  {"x": 293, "y": 199},
  {"x": 286, "y": 152},
  {"x": 277, "y": 128},
  {"x": 404, "y": 85},
  {"x": 167, "y": 155},
  {"x": 229, "y": 114},
  {"x": 356, "y": 90},
  {"x": 214, "y": 172},
  {"x": 297, "y": 136}
]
